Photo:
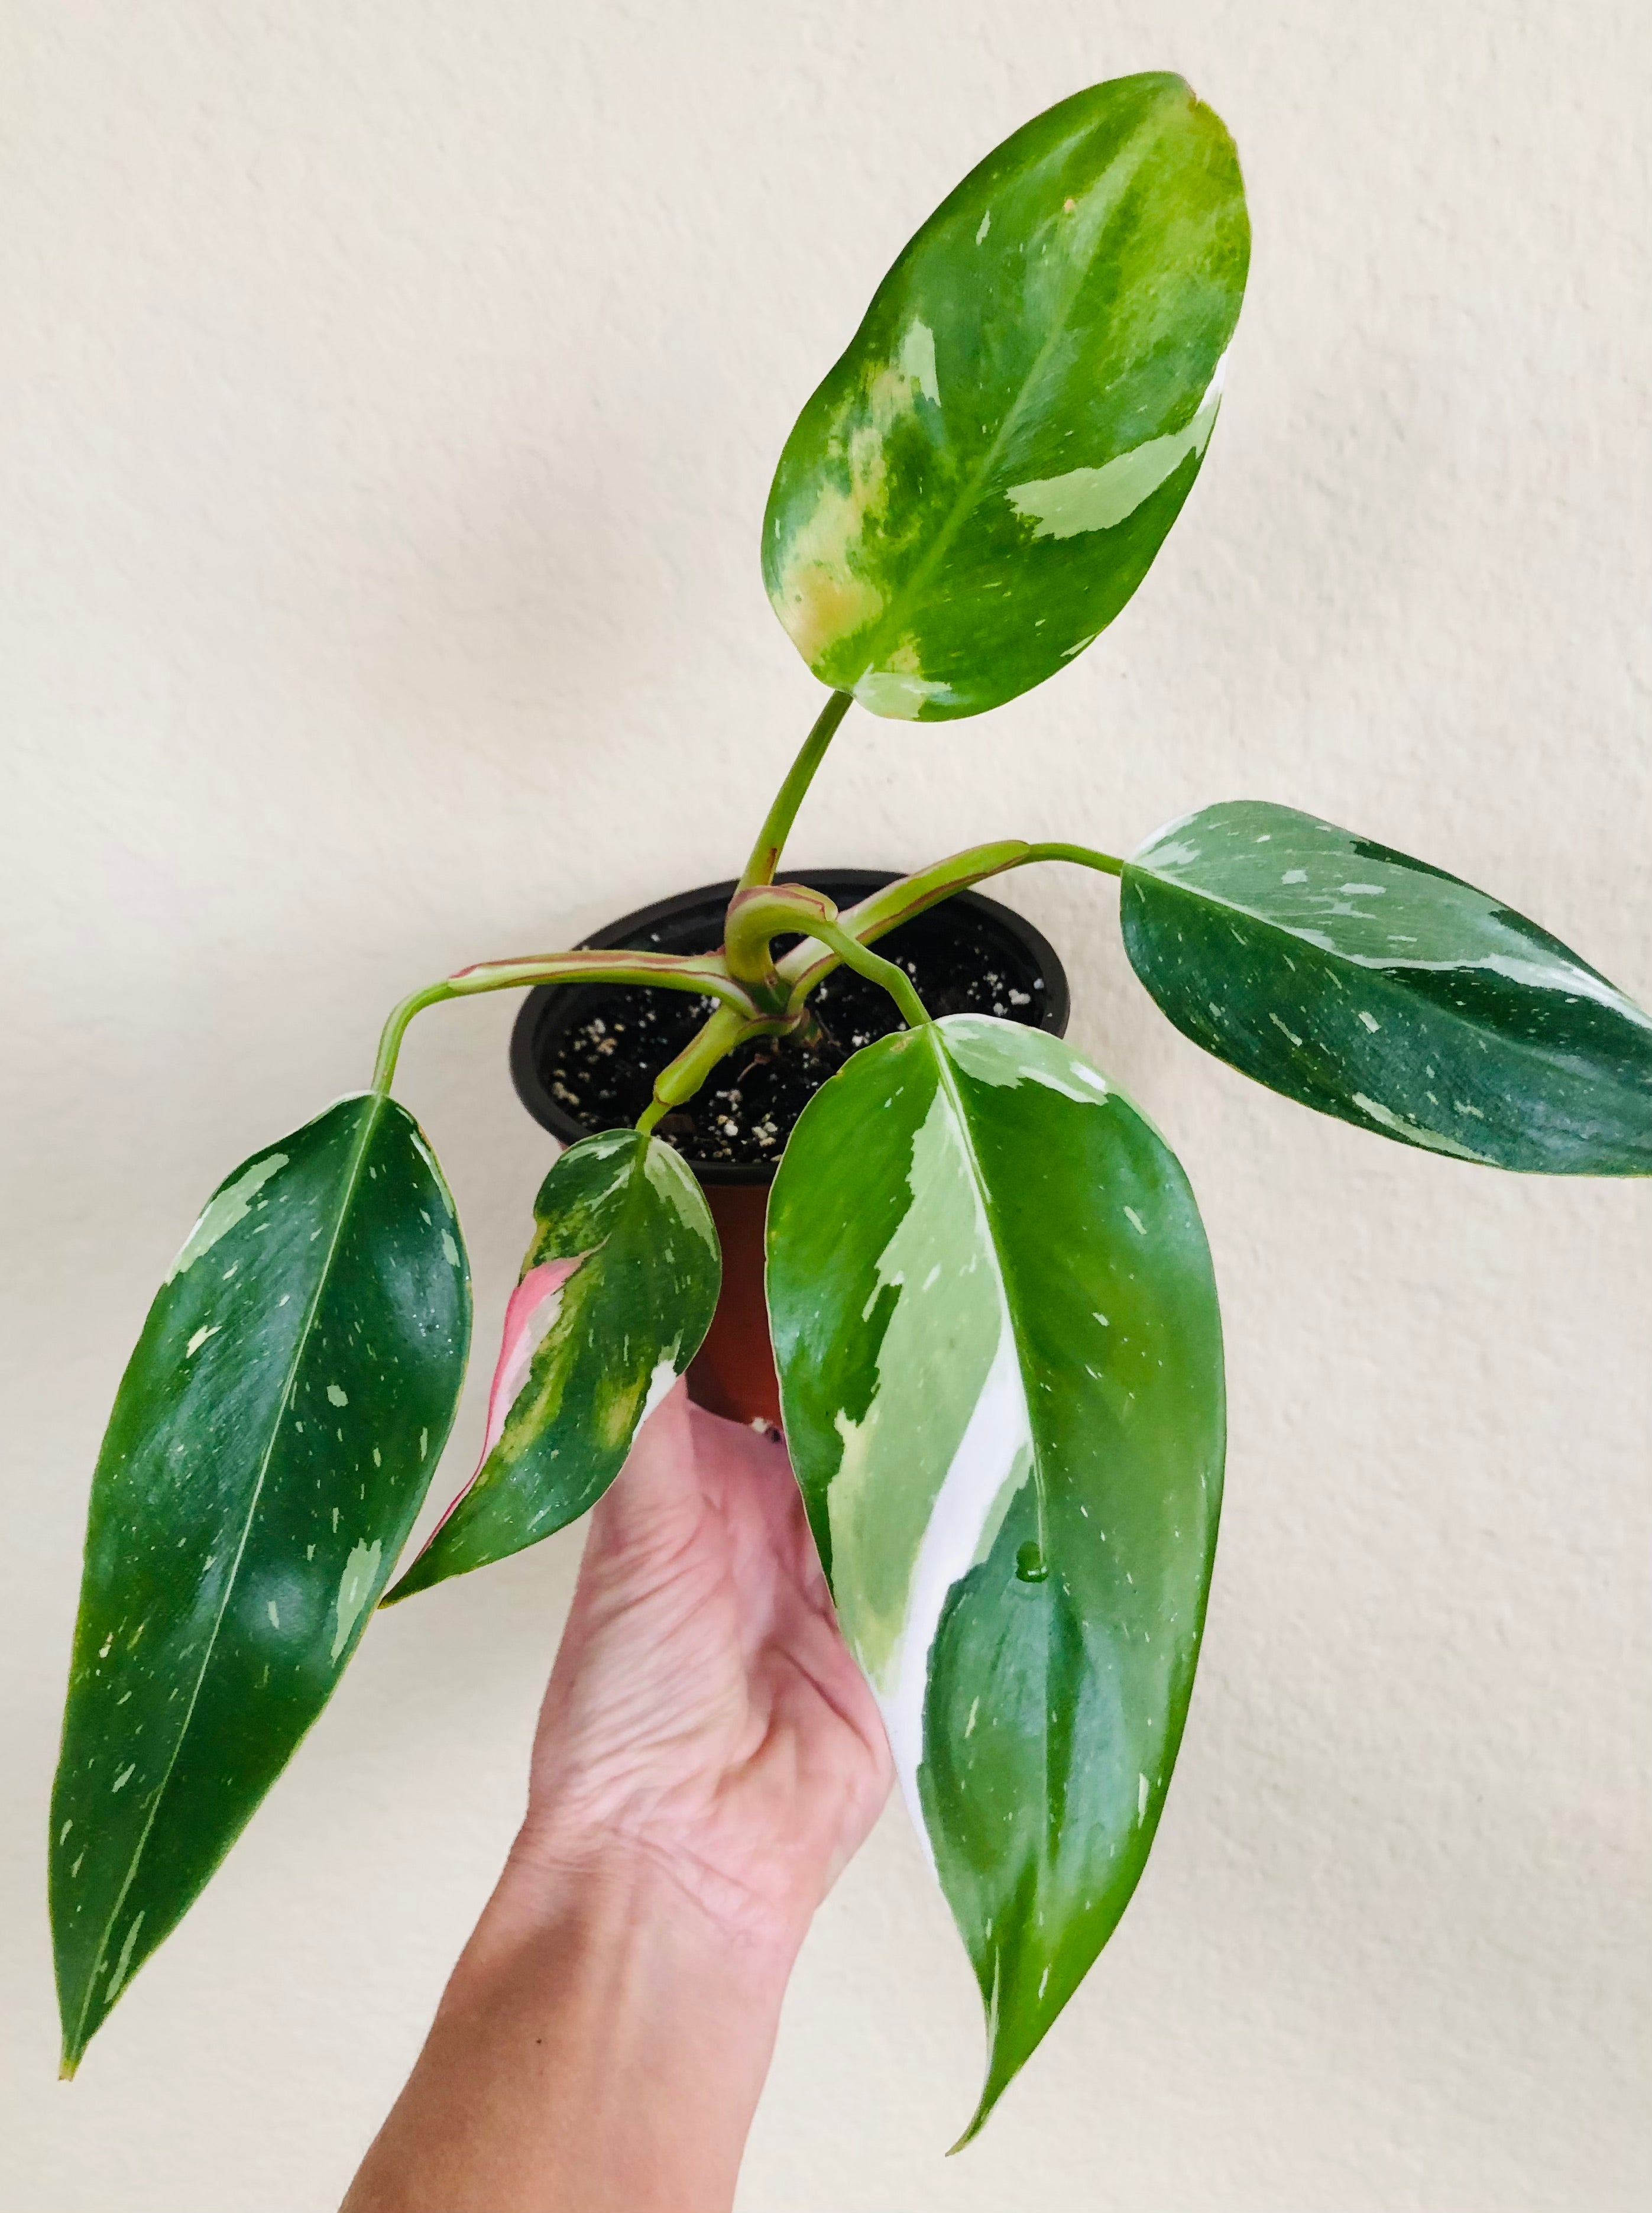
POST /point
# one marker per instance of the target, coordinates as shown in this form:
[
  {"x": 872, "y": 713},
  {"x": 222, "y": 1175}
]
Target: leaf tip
[
  {"x": 406, "y": 1586},
  {"x": 997, "y": 2081},
  {"x": 978, "y": 2121}
]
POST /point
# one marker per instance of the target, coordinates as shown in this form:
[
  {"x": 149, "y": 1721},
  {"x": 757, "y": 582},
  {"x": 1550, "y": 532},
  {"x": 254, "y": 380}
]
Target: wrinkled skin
[
  {"x": 707, "y": 1761},
  {"x": 704, "y": 1712}
]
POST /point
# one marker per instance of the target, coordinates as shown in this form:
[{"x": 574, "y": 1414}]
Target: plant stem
[
  {"x": 873, "y": 966},
  {"x": 681, "y": 1078},
  {"x": 390, "y": 1038},
  {"x": 899, "y": 902},
  {"x": 726, "y": 1030},
  {"x": 1085, "y": 857},
  {"x": 755, "y": 916},
  {"x": 705, "y": 974},
  {"x": 803, "y": 967},
  {"x": 776, "y": 826}
]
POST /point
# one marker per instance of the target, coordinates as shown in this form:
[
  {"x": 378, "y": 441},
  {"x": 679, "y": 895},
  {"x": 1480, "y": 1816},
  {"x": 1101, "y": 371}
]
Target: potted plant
[{"x": 995, "y": 1342}]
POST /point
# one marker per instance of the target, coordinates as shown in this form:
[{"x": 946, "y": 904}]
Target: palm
[{"x": 702, "y": 1707}]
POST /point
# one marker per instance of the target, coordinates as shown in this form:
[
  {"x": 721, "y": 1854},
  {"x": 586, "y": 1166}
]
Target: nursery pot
[{"x": 583, "y": 1057}]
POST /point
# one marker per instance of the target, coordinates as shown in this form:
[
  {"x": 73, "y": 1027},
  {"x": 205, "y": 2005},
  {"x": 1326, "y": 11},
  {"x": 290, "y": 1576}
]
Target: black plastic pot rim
[{"x": 845, "y": 886}]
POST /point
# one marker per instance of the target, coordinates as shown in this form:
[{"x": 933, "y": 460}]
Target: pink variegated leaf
[
  {"x": 616, "y": 1291},
  {"x": 534, "y": 1305}
]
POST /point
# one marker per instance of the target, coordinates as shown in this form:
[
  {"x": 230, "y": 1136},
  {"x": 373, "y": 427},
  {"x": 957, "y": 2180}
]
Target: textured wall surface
[{"x": 390, "y": 395}]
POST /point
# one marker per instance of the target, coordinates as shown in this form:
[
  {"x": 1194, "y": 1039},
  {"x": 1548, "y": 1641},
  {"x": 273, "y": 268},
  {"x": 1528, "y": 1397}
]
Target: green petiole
[
  {"x": 873, "y": 966},
  {"x": 759, "y": 997},
  {"x": 705, "y": 975},
  {"x": 803, "y": 967},
  {"x": 776, "y": 824}
]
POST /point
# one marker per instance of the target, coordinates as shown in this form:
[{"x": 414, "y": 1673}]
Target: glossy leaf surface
[
  {"x": 983, "y": 478},
  {"x": 1000, "y": 1359},
  {"x": 270, "y": 1444},
  {"x": 1383, "y": 991},
  {"x": 615, "y": 1293}
]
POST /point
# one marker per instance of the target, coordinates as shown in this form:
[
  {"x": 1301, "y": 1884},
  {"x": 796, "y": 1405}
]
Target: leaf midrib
[
  {"x": 965, "y": 504},
  {"x": 370, "y": 1121}
]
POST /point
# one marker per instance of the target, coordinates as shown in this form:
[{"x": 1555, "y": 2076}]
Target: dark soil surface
[{"x": 600, "y": 1066}]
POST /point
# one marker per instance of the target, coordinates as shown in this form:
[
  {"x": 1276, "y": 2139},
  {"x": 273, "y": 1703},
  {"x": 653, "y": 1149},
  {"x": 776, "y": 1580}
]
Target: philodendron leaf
[
  {"x": 269, "y": 1448},
  {"x": 615, "y": 1293},
  {"x": 1385, "y": 992},
  {"x": 984, "y": 477},
  {"x": 1000, "y": 1364}
]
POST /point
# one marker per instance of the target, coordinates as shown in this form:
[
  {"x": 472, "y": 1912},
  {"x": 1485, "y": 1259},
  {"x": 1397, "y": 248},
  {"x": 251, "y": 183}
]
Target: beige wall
[{"x": 390, "y": 397}]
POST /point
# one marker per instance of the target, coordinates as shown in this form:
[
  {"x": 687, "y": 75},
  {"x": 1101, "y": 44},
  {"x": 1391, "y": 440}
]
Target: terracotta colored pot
[{"x": 733, "y": 1373}]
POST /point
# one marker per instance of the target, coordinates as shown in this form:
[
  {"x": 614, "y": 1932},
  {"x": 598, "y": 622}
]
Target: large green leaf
[
  {"x": 615, "y": 1293},
  {"x": 984, "y": 477},
  {"x": 1374, "y": 988},
  {"x": 1001, "y": 1369},
  {"x": 270, "y": 1443}
]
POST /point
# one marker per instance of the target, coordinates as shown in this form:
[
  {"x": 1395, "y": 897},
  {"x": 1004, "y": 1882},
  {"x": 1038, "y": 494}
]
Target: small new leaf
[
  {"x": 1379, "y": 989},
  {"x": 1000, "y": 1364},
  {"x": 269, "y": 1450},
  {"x": 616, "y": 1291},
  {"x": 984, "y": 477}
]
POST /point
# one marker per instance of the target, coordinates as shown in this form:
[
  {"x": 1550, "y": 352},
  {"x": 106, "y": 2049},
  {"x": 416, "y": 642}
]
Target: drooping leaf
[
  {"x": 983, "y": 478},
  {"x": 615, "y": 1293},
  {"x": 268, "y": 1451},
  {"x": 1000, "y": 1360},
  {"x": 1387, "y": 993}
]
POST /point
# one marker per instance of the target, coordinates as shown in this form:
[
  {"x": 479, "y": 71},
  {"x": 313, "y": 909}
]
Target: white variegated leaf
[{"x": 1000, "y": 1363}]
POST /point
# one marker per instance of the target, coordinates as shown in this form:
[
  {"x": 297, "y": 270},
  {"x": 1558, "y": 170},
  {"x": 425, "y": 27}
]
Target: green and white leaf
[
  {"x": 1000, "y": 1359},
  {"x": 983, "y": 478},
  {"x": 1385, "y": 992},
  {"x": 616, "y": 1294},
  {"x": 268, "y": 1451}
]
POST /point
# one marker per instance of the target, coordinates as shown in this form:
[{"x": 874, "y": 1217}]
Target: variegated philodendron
[
  {"x": 1386, "y": 992},
  {"x": 1001, "y": 1367},
  {"x": 985, "y": 476},
  {"x": 270, "y": 1444},
  {"x": 991, "y": 1300},
  {"x": 616, "y": 1294}
]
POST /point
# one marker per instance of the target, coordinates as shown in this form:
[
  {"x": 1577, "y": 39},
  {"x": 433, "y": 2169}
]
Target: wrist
[
  {"x": 600, "y": 2049},
  {"x": 620, "y": 1901},
  {"x": 756, "y": 1893},
  {"x": 585, "y": 1980}
]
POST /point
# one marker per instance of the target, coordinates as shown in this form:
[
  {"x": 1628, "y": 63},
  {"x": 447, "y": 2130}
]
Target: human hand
[
  {"x": 708, "y": 1757},
  {"x": 704, "y": 1715}
]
